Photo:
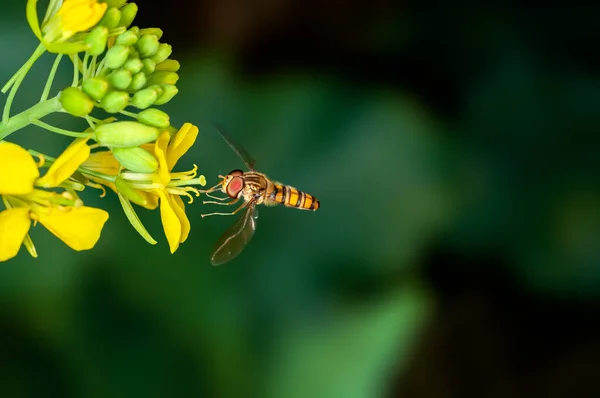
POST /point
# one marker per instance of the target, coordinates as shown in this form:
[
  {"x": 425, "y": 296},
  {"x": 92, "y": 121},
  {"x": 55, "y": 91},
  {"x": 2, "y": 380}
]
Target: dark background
[{"x": 454, "y": 149}]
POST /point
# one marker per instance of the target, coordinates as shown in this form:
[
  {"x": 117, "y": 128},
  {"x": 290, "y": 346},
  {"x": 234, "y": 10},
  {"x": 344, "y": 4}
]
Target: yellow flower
[
  {"x": 73, "y": 16},
  {"x": 172, "y": 209},
  {"x": 80, "y": 15},
  {"x": 62, "y": 214},
  {"x": 162, "y": 187}
]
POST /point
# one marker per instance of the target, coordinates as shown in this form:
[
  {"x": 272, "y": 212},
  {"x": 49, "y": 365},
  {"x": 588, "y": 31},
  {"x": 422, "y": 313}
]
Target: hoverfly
[{"x": 253, "y": 188}]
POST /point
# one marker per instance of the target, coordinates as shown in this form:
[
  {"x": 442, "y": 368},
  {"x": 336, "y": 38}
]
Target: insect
[{"x": 253, "y": 188}]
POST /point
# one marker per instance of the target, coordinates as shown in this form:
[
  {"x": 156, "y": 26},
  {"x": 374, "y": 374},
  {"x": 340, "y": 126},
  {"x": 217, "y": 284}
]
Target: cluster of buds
[
  {"x": 125, "y": 66},
  {"x": 135, "y": 69}
]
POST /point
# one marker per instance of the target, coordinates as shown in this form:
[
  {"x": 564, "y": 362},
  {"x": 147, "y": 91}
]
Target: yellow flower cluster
[
  {"x": 62, "y": 214},
  {"x": 122, "y": 67}
]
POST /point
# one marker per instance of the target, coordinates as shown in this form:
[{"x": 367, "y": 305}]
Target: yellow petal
[
  {"x": 103, "y": 162},
  {"x": 170, "y": 222},
  {"x": 149, "y": 147},
  {"x": 66, "y": 164},
  {"x": 182, "y": 141},
  {"x": 78, "y": 227},
  {"x": 80, "y": 15},
  {"x": 14, "y": 225},
  {"x": 18, "y": 170},
  {"x": 160, "y": 150},
  {"x": 179, "y": 208},
  {"x": 152, "y": 200}
]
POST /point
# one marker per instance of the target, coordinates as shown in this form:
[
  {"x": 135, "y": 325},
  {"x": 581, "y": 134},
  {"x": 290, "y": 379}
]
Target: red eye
[
  {"x": 234, "y": 186},
  {"x": 236, "y": 172}
]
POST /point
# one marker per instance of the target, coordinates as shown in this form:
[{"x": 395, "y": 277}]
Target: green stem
[
  {"x": 85, "y": 65},
  {"x": 130, "y": 114},
  {"x": 21, "y": 75},
  {"x": 51, "y": 10},
  {"x": 105, "y": 177},
  {"x": 24, "y": 118},
  {"x": 75, "y": 70},
  {"x": 12, "y": 79},
  {"x": 90, "y": 122},
  {"x": 50, "y": 80},
  {"x": 100, "y": 67},
  {"x": 47, "y": 159},
  {"x": 93, "y": 66},
  {"x": 58, "y": 130}
]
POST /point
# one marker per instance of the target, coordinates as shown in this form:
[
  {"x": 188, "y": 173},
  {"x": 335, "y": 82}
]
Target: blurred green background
[{"x": 455, "y": 152}]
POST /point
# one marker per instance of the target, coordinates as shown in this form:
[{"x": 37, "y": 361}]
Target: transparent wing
[
  {"x": 238, "y": 149},
  {"x": 235, "y": 239}
]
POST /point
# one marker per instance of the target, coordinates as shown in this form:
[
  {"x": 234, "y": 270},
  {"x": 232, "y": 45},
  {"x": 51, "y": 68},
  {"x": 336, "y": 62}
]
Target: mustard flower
[
  {"x": 73, "y": 16},
  {"x": 172, "y": 209},
  {"x": 63, "y": 214},
  {"x": 162, "y": 187}
]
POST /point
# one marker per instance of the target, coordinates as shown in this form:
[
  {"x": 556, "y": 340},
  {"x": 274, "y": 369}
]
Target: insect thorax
[{"x": 255, "y": 185}]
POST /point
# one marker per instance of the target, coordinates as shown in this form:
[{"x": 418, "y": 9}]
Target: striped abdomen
[{"x": 292, "y": 197}]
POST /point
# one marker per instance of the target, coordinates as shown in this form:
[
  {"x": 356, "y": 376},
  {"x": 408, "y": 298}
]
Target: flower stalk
[{"x": 26, "y": 117}]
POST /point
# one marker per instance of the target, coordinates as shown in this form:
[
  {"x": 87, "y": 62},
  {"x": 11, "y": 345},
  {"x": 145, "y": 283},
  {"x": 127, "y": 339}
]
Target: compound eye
[
  {"x": 236, "y": 172},
  {"x": 235, "y": 186}
]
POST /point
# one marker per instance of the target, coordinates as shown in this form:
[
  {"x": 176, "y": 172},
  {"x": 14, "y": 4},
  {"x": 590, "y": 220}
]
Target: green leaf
[{"x": 353, "y": 354}]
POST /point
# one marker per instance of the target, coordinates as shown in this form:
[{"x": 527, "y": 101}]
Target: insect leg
[
  {"x": 226, "y": 214},
  {"x": 216, "y": 197},
  {"x": 212, "y": 189},
  {"x": 221, "y": 203}
]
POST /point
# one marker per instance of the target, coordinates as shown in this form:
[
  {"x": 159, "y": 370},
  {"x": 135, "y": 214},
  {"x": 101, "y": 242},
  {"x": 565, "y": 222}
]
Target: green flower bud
[
  {"x": 115, "y": 101},
  {"x": 128, "y": 14},
  {"x": 147, "y": 45},
  {"x": 154, "y": 117},
  {"x": 96, "y": 39},
  {"x": 111, "y": 18},
  {"x": 163, "y": 77},
  {"x": 144, "y": 98},
  {"x": 128, "y": 38},
  {"x": 116, "y": 56},
  {"x": 163, "y": 52},
  {"x": 76, "y": 102},
  {"x": 125, "y": 134},
  {"x": 136, "y": 159},
  {"x": 138, "y": 82},
  {"x": 149, "y": 66},
  {"x": 133, "y": 65},
  {"x": 126, "y": 190},
  {"x": 133, "y": 53},
  {"x": 152, "y": 31},
  {"x": 169, "y": 91},
  {"x": 120, "y": 79},
  {"x": 115, "y": 3},
  {"x": 135, "y": 30},
  {"x": 159, "y": 90},
  {"x": 169, "y": 65},
  {"x": 95, "y": 87}
]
